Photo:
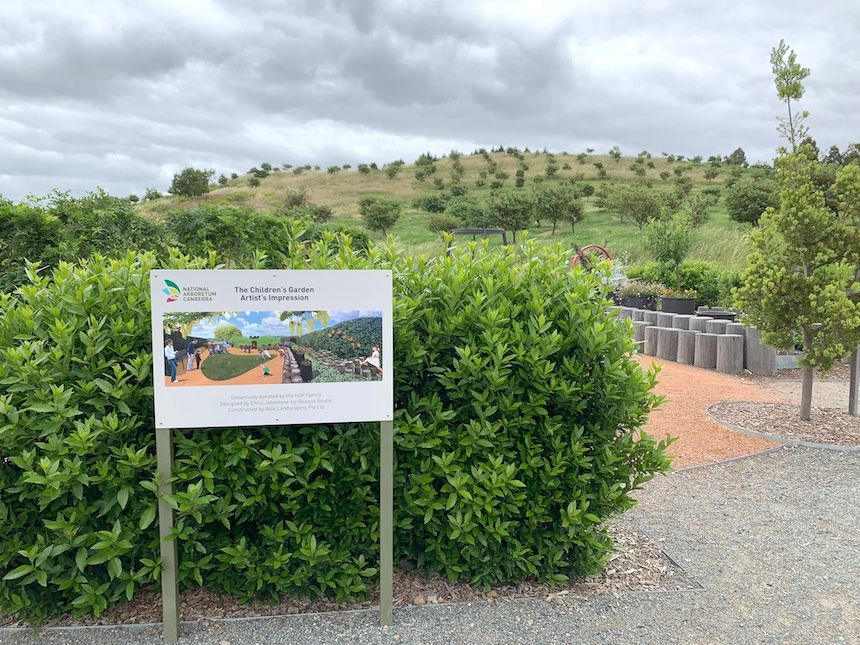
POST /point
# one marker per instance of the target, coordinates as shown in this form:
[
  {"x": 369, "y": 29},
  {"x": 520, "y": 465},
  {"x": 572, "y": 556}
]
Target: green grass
[
  {"x": 719, "y": 240},
  {"x": 221, "y": 367}
]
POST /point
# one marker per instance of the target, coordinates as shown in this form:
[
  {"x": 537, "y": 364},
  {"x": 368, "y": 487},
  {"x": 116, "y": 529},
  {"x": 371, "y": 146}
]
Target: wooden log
[
  {"x": 739, "y": 329},
  {"x": 687, "y": 346},
  {"x": 650, "y": 316},
  {"x": 639, "y": 327},
  {"x": 625, "y": 312},
  {"x": 716, "y": 326},
  {"x": 665, "y": 320},
  {"x": 667, "y": 343},
  {"x": 706, "y": 351},
  {"x": 730, "y": 353},
  {"x": 758, "y": 357},
  {"x": 681, "y": 321},
  {"x": 650, "y": 340},
  {"x": 697, "y": 323},
  {"x": 638, "y": 315}
]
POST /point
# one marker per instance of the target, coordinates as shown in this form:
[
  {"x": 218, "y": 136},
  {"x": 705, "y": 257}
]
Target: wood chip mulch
[
  {"x": 637, "y": 565},
  {"x": 783, "y": 421}
]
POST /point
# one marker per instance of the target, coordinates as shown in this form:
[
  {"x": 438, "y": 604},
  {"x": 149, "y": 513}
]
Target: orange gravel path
[
  {"x": 253, "y": 376},
  {"x": 689, "y": 392}
]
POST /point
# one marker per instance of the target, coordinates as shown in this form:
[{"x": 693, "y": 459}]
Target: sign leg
[
  {"x": 853, "y": 385},
  {"x": 169, "y": 559},
  {"x": 386, "y": 522}
]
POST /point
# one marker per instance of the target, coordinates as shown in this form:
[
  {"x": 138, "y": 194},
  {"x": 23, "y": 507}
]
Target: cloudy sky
[
  {"x": 269, "y": 323},
  {"x": 123, "y": 94}
]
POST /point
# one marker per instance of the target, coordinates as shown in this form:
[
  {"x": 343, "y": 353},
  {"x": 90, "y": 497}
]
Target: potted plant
[
  {"x": 678, "y": 301},
  {"x": 640, "y": 294}
]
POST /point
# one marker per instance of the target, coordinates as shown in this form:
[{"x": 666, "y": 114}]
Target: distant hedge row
[
  {"x": 67, "y": 228},
  {"x": 518, "y": 433}
]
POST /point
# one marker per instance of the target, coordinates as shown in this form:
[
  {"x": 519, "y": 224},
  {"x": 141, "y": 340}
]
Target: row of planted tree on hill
[{"x": 195, "y": 182}]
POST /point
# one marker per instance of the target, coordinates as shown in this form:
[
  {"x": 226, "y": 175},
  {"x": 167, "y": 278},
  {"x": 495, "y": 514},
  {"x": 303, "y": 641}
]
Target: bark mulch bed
[
  {"x": 783, "y": 421},
  {"x": 637, "y": 565}
]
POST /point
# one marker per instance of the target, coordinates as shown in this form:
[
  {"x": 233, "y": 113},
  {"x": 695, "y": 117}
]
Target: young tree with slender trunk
[
  {"x": 788, "y": 75},
  {"x": 802, "y": 276}
]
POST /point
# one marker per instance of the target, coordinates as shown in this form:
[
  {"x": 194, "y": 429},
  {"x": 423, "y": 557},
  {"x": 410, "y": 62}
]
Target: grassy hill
[{"x": 719, "y": 239}]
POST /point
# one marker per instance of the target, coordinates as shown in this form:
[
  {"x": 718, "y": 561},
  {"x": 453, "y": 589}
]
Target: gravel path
[
  {"x": 825, "y": 394},
  {"x": 774, "y": 541}
]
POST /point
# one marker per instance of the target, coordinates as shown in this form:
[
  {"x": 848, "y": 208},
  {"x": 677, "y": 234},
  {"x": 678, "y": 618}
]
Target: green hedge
[
  {"x": 517, "y": 414},
  {"x": 712, "y": 282}
]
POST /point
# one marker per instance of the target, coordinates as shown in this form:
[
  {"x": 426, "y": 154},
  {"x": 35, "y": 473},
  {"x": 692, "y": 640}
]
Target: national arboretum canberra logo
[
  {"x": 188, "y": 293},
  {"x": 172, "y": 290}
]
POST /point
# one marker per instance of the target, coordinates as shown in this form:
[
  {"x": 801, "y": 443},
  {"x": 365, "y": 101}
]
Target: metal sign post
[
  {"x": 169, "y": 558},
  {"x": 386, "y": 522},
  {"x": 853, "y": 384}
]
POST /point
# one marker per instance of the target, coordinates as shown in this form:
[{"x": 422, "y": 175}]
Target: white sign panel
[{"x": 247, "y": 348}]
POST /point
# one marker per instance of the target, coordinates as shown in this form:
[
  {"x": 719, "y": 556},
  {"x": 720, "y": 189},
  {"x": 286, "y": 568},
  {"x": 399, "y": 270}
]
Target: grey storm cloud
[{"x": 123, "y": 94}]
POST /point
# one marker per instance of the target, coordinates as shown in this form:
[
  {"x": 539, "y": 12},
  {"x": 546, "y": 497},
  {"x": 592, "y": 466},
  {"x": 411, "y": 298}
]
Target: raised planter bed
[
  {"x": 674, "y": 305},
  {"x": 640, "y": 302}
]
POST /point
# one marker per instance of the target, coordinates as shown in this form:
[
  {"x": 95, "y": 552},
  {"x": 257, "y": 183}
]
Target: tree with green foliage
[
  {"x": 802, "y": 274},
  {"x": 788, "y": 76},
  {"x": 749, "y": 197},
  {"x": 226, "y": 331},
  {"x": 833, "y": 156},
  {"x": 698, "y": 208},
  {"x": 668, "y": 240},
  {"x": 380, "y": 213},
  {"x": 557, "y": 202},
  {"x": 737, "y": 158},
  {"x": 513, "y": 210},
  {"x": 321, "y": 213},
  {"x": 585, "y": 190},
  {"x": 191, "y": 182},
  {"x": 472, "y": 212},
  {"x": 636, "y": 202},
  {"x": 615, "y": 154},
  {"x": 711, "y": 174},
  {"x": 683, "y": 186},
  {"x": 851, "y": 154}
]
